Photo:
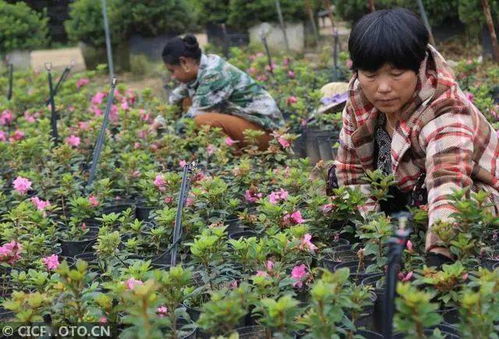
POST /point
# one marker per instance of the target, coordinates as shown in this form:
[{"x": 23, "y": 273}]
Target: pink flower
[
  {"x": 291, "y": 100},
  {"x": 93, "y": 200},
  {"x": 22, "y": 185},
  {"x": 410, "y": 246},
  {"x": 132, "y": 283},
  {"x": 270, "y": 68},
  {"x": 102, "y": 320},
  {"x": 182, "y": 163},
  {"x": 284, "y": 143},
  {"x": 73, "y": 140},
  {"x": 28, "y": 117},
  {"x": 168, "y": 200},
  {"x": 189, "y": 201},
  {"x": 291, "y": 74},
  {"x": 82, "y": 82},
  {"x": 6, "y": 117},
  {"x": 405, "y": 277},
  {"x": 3, "y": 136},
  {"x": 98, "y": 97},
  {"x": 83, "y": 125},
  {"x": 233, "y": 284},
  {"x": 211, "y": 149},
  {"x": 349, "y": 63},
  {"x": 280, "y": 195},
  {"x": 261, "y": 274},
  {"x": 124, "y": 105},
  {"x": 10, "y": 252},
  {"x": 293, "y": 218},
  {"x": 286, "y": 61},
  {"x": 307, "y": 244},
  {"x": 39, "y": 203},
  {"x": 269, "y": 265},
  {"x": 51, "y": 262},
  {"x": 262, "y": 78},
  {"x": 83, "y": 226},
  {"x": 469, "y": 96},
  {"x": 251, "y": 196},
  {"x": 160, "y": 182},
  {"x": 229, "y": 141},
  {"x": 162, "y": 311},
  {"x": 18, "y": 135},
  {"x": 97, "y": 111},
  {"x": 326, "y": 208},
  {"x": 298, "y": 274}
]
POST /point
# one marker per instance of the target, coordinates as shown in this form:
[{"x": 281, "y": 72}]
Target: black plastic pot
[
  {"x": 143, "y": 213},
  {"x": 71, "y": 248},
  {"x": 251, "y": 332},
  {"x": 243, "y": 234},
  {"x": 353, "y": 266},
  {"x": 119, "y": 206},
  {"x": 379, "y": 303},
  {"x": 450, "y": 315}
]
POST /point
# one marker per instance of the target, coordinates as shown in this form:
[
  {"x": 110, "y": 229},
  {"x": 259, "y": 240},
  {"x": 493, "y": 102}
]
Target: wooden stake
[{"x": 492, "y": 31}]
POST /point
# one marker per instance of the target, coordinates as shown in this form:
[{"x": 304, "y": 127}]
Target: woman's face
[
  {"x": 185, "y": 72},
  {"x": 388, "y": 88}
]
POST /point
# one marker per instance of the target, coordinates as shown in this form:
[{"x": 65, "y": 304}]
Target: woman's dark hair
[
  {"x": 393, "y": 36},
  {"x": 181, "y": 47}
]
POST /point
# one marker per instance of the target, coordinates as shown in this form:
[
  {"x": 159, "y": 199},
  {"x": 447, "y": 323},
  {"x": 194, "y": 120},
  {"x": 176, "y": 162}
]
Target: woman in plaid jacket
[{"x": 407, "y": 116}]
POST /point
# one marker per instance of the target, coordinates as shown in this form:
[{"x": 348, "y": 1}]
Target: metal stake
[
  {"x": 425, "y": 20},
  {"x": 269, "y": 56},
  {"x": 53, "y": 116},
  {"x": 100, "y": 139},
  {"x": 11, "y": 78},
  {"x": 63, "y": 78},
  {"x": 108, "y": 41},
  {"x": 177, "y": 231}
]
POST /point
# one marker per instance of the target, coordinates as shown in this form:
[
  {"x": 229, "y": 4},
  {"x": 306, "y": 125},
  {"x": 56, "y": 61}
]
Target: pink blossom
[
  {"x": 284, "y": 142},
  {"x": 18, "y": 135},
  {"x": 124, "y": 105},
  {"x": 277, "y": 196},
  {"x": 98, "y": 97},
  {"x": 326, "y": 208},
  {"x": 144, "y": 116},
  {"x": 162, "y": 311},
  {"x": 22, "y": 185},
  {"x": 39, "y": 203},
  {"x": 96, "y": 110},
  {"x": 51, "y": 262},
  {"x": 262, "y": 78},
  {"x": 293, "y": 218},
  {"x": 269, "y": 265},
  {"x": 3, "y": 136},
  {"x": 405, "y": 277},
  {"x": 307, "y": 244},
  {"x": 469, "y": 96},
  {"x": 229, "y": 141},
  {"x": 291, "y": 74},
  {"x": 83, "y": 125},
  {"x": 137, "y": 145},
  {"x": 93, "y": 200},
  {"x": 142, "y": 134},
  {"x": 298, "y": 273},
  {"x": 233, "y": 284},
  {"x": 113, "y": 114},
  {"x": 465, "y": 276},
  {"x": 28, "y": 117},
  {"x": 349, "y": 63},
  {"x": 132, "y": 283},
  {"x": 251, "y": 70},
  {"x": 83, "y": 226},
  {"x": 6, "y": 117},
  {"x": 160, "y": 182},
  {"x": 291, "y": 100},
  {"x": 182, "y": 163},
  {"x": 82, "y": 82},
  {"x": 261, "y": 274},
  {"x": 210, "y": 149},
  {"x": 286, "y": 61},
  {"x": 189, "y": 201},
  {"x": 270, "y": 68},
  {"x": 251, "y": 196},
  {"x": 10, "y": 252},
  {"x": 410, "y": 246},
  {"x": 102, "y": 320},
  {"x": 73, "y": 140}
]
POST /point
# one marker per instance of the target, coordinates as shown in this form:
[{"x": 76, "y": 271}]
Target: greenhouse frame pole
[
  {"x": 425, "y": 21},
  {"x": 281, "y": 22},
  {"x": 108, "y": 41}
]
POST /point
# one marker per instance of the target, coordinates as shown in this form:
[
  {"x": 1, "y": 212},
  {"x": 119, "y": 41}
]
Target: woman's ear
[{"x": 184, "y": 64}]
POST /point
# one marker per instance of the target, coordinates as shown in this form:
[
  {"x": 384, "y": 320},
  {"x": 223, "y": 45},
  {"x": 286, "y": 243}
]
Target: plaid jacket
[{"x": 440, "y": 135}]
